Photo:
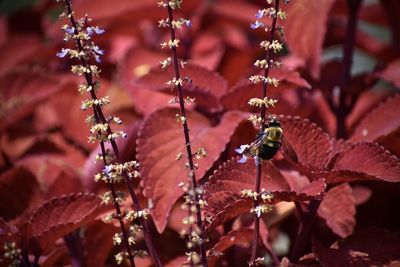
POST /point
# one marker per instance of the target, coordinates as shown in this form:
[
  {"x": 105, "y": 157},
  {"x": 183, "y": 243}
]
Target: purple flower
[
  {"x": 97, "y": 58},
  {"x": 63, "y": 53},
  {"x": 97, "y": 30},
  {"x": 69, "y": 30},
  {"x": 97, "y": 50},
  {"x": 256, "y": 25},
  {"x": 188, "y": 23},
  {"x": 260, "y": 14},
  {"x": 243, "y": 159},
  {"x": 107, "y": 170}
]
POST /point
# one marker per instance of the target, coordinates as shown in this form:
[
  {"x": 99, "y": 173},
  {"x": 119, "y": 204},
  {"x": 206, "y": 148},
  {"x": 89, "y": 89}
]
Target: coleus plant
[{"x": 335, "y": 207}]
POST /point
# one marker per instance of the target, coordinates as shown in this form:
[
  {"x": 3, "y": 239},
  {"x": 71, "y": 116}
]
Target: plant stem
[
  {"x": 343, "y": 108},
  {"x": 73, "y": 243},
  {"x": 192, "y": 173},
  {"x": 263, "y": 112},
  {"x": 99, "y": 117},
  {"x": 304, "y": 230}
]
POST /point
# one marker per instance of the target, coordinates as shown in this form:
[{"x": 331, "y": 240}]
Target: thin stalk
[
  {"x": 263, "y": 112},
  {"x": 73, "y": 242},
  {"x": 99, "y": 117},
  {"x": 348, "y": 50},
  {"x": 192, "y": 173},
  {"x": 304, "y": 230}
]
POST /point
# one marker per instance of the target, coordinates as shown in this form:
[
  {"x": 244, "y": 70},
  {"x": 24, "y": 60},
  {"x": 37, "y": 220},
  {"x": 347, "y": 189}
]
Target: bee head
[{"x": 273, "y": 122}]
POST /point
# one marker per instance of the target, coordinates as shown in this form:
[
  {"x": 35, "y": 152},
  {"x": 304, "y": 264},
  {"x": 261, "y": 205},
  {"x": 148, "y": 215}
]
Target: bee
[{"x": 268, "y": 143}]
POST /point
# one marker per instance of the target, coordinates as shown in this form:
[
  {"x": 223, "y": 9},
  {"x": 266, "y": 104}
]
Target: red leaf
[
  {"x": 104, "y": 9},
  {"x": 240, "y": 237},
  {"x": 237, "y": 97},
  {"x": 19, "y": 191},
  {"x": 338, "y": 210},
  {"x": 305, "y": 28},
  {"x": 161, "y": 138},
  {"x": 311, "y": 144},
  {"x": 206, "y": 86},
  {"x": 363, "y": 161},
  {"x": 65, "y": 183},
  {"x": 22, "y": 92},
  {"x": 62, "y": 215},
  {"x": 380, "y": 122},
  {"x": 98, "y": 246},
  {"x": 370, "y": 247},
  {"x": 207, "y": 51},
  {"x": 202, "y": 80},
  {"x": 240, "y": 11},
  {"x": 16, "y": 50},
  {"x": 392, "y": 73},
  {"x": 367, "y": 101},
  {"x": 361, "y": 194},
  {"x": 222, "y": 191}
]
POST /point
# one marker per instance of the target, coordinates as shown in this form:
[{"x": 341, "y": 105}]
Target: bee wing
[{"x": 288, "y": 151}]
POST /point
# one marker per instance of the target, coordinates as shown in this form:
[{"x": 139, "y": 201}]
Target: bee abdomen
[{"x": 268, "y": 150}]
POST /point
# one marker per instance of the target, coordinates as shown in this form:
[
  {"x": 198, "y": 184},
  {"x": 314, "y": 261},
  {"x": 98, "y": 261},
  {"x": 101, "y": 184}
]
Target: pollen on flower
[
  {"x": 200, "y": 153},
  {"x": 166, "y": 63},
  {"x": 261, "y": 209},
  {"x": 132, "y": 215},
  {"x": 266, "y": 196},
  {"x": 170, "y": 44},
  {"x": 258, "y": 102},
  {"x": 248, "y": 193},
  {"x": 174, "y": 4},
  {"x": 12, "y": 253},
  {"x": 117, "y": 239},
  {"x": 119, "y": 257},
  {"x": 181, "y": 119},
  {"x": 108, "y": 217},
  {"x": 255, "y": 119},
  {"x": 175, "y": 82},
  {"x": 281, "y": 14},
  {"x": 179, "y": 156}
]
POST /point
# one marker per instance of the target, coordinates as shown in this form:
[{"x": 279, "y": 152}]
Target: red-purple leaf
[
  {"x": 241, "y": 237},
  {"x": 370, "y": 247},
  {"x": 311, "y": 144},
  {"x": 240, "y": 11},
  {"x": 223, "y": 191},
  {"x": 361, "y": 194},
  {"x": 305, "y": 29},
  {"x": 206, "y": 87},
  {"x": 392, "y": 73},
  {"x": 363, "y": 161},
  {"x": 19, "y": 191},
  {"x": 238, "y": 96},
  {"x": 161, "y": 139},
  {"x": 98, "y": 246},
  {"x": 65, "y": 183},
  {"x": 207, "y": 51},
  {"x": 338, "y": 210},
  {"x": 16, "y": 50},
  {"x": 380, "y": 122},
  {"x": 202, "y": 80},
  {"x": 21, "y": 92},
  {"x": 62, "y": 215}
]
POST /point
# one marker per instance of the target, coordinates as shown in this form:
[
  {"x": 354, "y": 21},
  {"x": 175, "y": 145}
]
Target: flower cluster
[
  {"x": 12, "y": 253},
  {"x": 86, "y": 54},
  {"x": 262, "y": 200},
  {"x": 193, "y": 193}
]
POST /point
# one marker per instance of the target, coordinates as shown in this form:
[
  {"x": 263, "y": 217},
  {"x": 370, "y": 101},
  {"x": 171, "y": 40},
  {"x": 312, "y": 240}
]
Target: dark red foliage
[
  {"x": 338, "y": 105},
  {"x": 366, "y": 248}
]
